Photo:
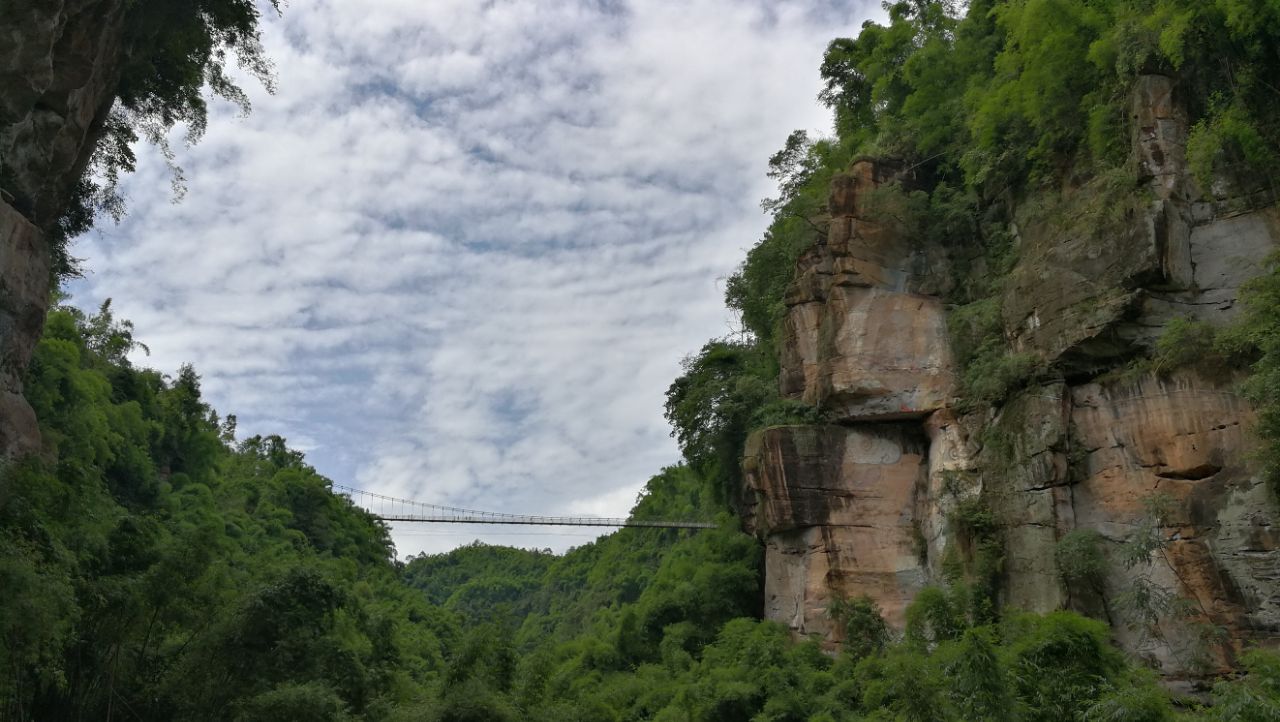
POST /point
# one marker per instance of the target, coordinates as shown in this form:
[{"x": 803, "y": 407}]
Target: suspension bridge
[{"x": 390, "y": 508}]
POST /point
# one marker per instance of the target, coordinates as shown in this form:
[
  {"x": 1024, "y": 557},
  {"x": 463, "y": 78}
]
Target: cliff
[
  {"x": 1119, "y": 489},
  {"x": 81, "y": 81},
  {"x": 59, "y": 70}
]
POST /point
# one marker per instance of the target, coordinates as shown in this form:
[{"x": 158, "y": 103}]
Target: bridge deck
[
  {"x": 553, "y": 521},
  {"x": 389, "y": 508}
]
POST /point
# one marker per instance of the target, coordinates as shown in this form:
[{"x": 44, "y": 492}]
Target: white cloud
[{"x": 460, "y": 254}]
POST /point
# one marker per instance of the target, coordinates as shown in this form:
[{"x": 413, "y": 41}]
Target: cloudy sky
[{"x": 459, "y": 255}]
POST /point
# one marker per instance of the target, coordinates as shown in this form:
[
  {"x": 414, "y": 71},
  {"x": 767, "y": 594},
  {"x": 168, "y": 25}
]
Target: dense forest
[{"x": 159, "y": 567}]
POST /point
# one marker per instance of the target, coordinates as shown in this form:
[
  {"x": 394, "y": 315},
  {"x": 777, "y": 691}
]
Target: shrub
[
  {"x": 314, "y": 702},
  {"x": 1257, "y": 335},
  {"x": 865, "y": 631},
  {"x": 1256, "y": 696},
  {"x": 1080, "y": 559},
  {"x": 1187, "y": 342}
]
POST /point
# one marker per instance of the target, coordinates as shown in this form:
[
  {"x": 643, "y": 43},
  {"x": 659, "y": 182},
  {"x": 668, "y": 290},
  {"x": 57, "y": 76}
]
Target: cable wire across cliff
[{"x": 390, "y": 508}]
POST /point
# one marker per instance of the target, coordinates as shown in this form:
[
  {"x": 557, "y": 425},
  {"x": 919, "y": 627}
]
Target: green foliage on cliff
[
  {"x": 803, "y": 169},
  {"x": 989, "y": 370},
  {"x": 1080, "y": 559},
  {"x": 728, "y": 389},
  {"x": 1016, "y": 91},
  {"x": 711, "y": 406},
  {"x": 1257, "y": 336},
  {"x": 169, "y": 54}
]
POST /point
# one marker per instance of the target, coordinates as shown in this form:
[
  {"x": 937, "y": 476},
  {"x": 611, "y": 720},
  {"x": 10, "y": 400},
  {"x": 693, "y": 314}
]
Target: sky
[{"x": 459, "y": 254}]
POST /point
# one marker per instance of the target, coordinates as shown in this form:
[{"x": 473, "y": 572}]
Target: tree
[{"x": 170, "y": 52}]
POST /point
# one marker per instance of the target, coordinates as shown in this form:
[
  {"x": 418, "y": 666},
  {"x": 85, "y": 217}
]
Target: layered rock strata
[
  {"x": 1155, "y": 461},
  {"x": 838, "y": 503},
  {"x": 862, "y": 336},
  {"x": 865, "y": 340}
]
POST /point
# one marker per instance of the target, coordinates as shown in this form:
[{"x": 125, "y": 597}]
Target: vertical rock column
[{"x": 836, "y": 505}]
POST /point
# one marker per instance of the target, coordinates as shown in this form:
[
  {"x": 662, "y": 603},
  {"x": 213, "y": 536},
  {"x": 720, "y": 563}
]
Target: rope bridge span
[{"x": 390, "y": 508}]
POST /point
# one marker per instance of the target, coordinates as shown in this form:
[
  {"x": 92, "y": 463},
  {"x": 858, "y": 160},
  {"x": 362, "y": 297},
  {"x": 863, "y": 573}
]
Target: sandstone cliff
[
  {"x": 1155, "y": 460},
  {"x": 59, "y": 68}
]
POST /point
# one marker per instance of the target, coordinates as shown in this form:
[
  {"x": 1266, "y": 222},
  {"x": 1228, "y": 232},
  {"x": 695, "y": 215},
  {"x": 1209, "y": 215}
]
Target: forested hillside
[
  {"x": 157, "y": 566},
  {"x": 158, "y": 569}
]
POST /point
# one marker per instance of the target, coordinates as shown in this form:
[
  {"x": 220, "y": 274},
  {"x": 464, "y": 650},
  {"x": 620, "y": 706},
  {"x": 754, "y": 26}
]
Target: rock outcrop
[
  {"x": 1157, "y": 461},
  {"x": 59, "y": 68},
  {"x": 1178, "y": 448},
  {"x": 838, "y": 505},
  {"x": 24, "y": 292},
  {"x": 862, "y": 337},
  {"x": 865, "y": 339}
]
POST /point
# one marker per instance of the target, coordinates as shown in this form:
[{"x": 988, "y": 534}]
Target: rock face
[
  {"x": 1102, "y": 273},
  {"x": 59, "y": 68},
  {"x": 24, "y": 293},
  {"x": 838, "y": 504},
  {"x": 1155, "y": 462},
  {"x": 1180, "y": 445},
  {"x": 865, "y": 339},
  {"x": 860, "y": 337}
]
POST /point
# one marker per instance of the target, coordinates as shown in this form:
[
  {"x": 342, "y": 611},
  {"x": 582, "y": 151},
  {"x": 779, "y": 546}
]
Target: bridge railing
[{"x": 394, "y": 509}]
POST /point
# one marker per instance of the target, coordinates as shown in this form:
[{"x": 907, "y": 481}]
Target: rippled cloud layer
[{"x": 460, "y": 254}]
